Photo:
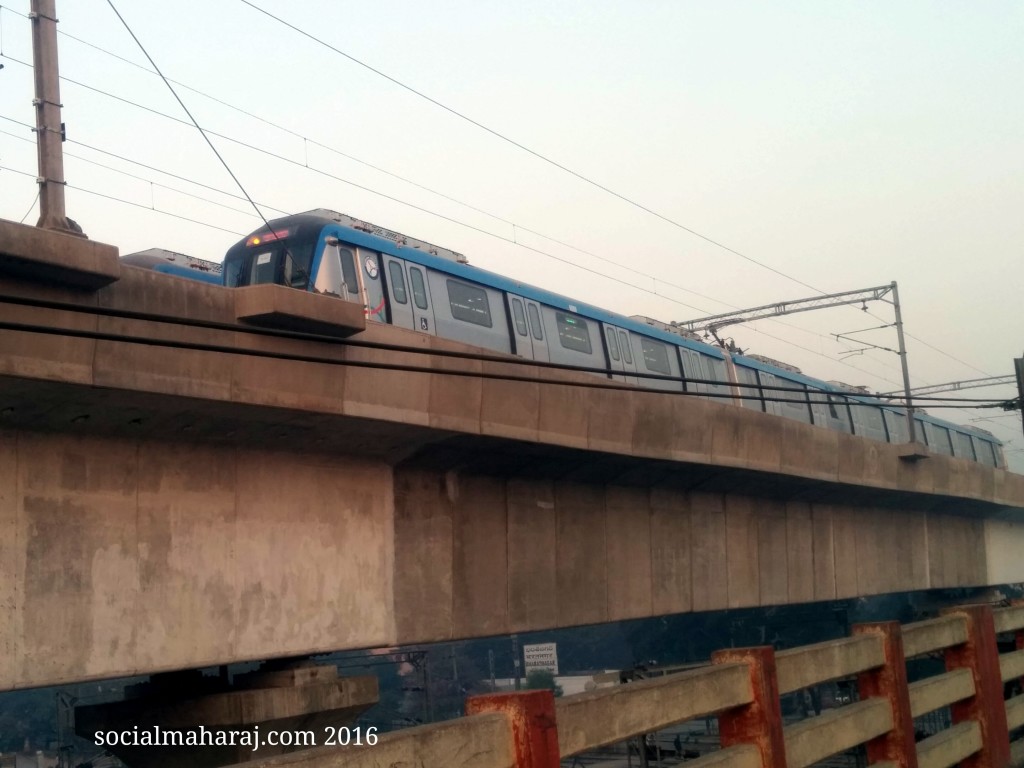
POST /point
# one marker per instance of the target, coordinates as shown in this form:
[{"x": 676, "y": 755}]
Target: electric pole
[
  {"x": 714, "y": 323},
  {"x": 1018, "y": 364},
  {"x": 49, "y": 129}
]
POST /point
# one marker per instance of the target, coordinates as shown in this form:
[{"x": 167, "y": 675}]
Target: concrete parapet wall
[{"x": 644, "y": 424}]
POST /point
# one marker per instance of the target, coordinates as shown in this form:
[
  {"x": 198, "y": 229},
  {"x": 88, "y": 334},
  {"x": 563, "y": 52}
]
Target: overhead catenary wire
[
  {"x": 129, "y": 202},
  {"x": 318, "y": 39},
  {"x": 122, "y": 172},
  {"x": 655, "y": 279},
  {"x": 186, "y": 110},
  {"x": 512, "y": 240}
]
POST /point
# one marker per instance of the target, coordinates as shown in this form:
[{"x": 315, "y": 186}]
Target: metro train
[{"x": 423, "y": 287}]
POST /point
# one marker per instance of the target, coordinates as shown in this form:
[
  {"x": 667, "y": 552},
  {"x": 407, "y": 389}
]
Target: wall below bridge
[{"x": 123, "y": 556}]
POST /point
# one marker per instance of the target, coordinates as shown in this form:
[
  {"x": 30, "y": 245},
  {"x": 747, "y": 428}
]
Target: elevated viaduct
[{"x": 177, "y": 491}]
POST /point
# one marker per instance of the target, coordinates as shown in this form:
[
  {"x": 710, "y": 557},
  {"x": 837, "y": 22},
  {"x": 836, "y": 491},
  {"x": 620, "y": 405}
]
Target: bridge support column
[
  {"x": 760, "y": 722},
  {"x": 980, "y": 654},
  {"x": 890, "y": 682},
  {"x": 534, "y": 728}
]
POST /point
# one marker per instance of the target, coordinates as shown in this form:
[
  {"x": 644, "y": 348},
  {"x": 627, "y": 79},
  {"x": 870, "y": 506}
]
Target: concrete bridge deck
[{"x": 171, "y": 497}]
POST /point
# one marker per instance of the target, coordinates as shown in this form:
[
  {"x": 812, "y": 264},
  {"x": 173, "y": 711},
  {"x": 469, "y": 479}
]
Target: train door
[
  {"x": 398, "y": 292},
  {"x": 628, "y": 363},
  {"x": 770, "y": 405},
  {"x": 693, "y": 368},
  {"x": 611, "y": 346},
  {"x": 520, "y": 327},
  {"x": 620, "y": 356},
  {"x": 422, "y": 306},
  {"x": 369, "y": 263},
  {"x": 538, "y": 338}
]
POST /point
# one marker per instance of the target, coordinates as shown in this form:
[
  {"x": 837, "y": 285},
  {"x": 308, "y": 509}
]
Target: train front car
[{"x": 286, "y": 253}]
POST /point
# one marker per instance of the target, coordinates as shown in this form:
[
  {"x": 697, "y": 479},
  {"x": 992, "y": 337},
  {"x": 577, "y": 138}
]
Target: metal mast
[
  {"x": 713, "y": 323},
  {"x": 956, "y": 386},
  {"x": 49, "y": 130}
]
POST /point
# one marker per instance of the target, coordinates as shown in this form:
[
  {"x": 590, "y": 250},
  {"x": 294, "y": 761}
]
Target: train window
[
  {"x": 748, "y": 377},
  {"x": 469, "y": 303},
  {"x": 962, "y": 446},
  {"x": 538, "y": 331},
  {"x": 520, "y": 316},
  {"x": 938, "y": 438},
  {"x": 419, "y": 290},
  {"x": 627, "y": 354},
  {"x": 984, "y": 451},
  {"x": 655, "y": 356},
  {"x": 348, "y": 270},
  {"x": 397, "y": 282},
  {"x": 262, "y": 269},
  {"x": 794, "y": 402},
  {"x": 832, "y": 410},
  {"x": 871, "y": 417},
  {"x": 573, "y": 332},
  {"x": 613, "y": 347}
]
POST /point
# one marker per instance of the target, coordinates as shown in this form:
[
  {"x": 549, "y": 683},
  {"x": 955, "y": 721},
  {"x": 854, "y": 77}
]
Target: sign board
[{"x": 541, "y": 656}]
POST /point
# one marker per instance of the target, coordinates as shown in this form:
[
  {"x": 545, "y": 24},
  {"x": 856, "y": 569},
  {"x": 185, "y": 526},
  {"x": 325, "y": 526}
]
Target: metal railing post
[
  {"x": 759, "y": 723},
  {"x": 980, "y": 654},
  {"x": 890, "y": 682},
  {"x": 532, "y": 719}
]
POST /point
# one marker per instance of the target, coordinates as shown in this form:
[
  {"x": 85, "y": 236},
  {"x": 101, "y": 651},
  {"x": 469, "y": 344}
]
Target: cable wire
[
  {"x": 655, "y": 279},
  {"x": 190, "y": 117},
  {"x": 462, "y": 116},
  {"x": 127, "y": 202}
]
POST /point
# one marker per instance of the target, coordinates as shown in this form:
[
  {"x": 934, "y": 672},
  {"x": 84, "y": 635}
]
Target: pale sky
[{"x": 844, "y": 144}]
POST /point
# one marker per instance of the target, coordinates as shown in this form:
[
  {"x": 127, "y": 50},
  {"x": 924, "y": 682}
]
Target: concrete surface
[
  {"x": 52, "y": 258},
  {"x": 275, "y": 306},
  {"x": 816, "y": 738},
  {"x": 939, "y": 691},
  {"x": 286, "y": 507},
  {"x": 812, "y": 664},
  {"x": 950, "y": 746},
  {"x": 590, "y": 720}
]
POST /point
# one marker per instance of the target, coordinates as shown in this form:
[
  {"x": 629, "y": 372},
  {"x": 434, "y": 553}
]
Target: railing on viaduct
[{"x": 742, "y": 687}]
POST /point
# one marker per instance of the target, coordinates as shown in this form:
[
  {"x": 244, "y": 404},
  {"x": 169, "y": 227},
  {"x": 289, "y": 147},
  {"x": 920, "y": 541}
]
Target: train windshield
[{"x": 281, "y": 257}]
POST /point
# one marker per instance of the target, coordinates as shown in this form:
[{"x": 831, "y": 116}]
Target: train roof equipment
[
  {"x": 396, "y": 237},
  {"x": 178, "y": 264}
]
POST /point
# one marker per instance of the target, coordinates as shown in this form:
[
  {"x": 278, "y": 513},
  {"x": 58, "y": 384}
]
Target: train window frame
[
  {"x": 566, "y": 323},
  {"x": 519, "y": 317},
  {"x": 536, "y": 328},
  {"x": 397, "y": 282},
  {"x": 749, "y": 388},
  {"x": 613, "y": 345},
  {"x": 348, "y": 269},
  {"x": 627, "y": 353},
  {"x": 646, "y": 346},
  {"x": 462, "y": 307},
  {"x": 964, "y": 441},
  {"x": 419, "y": 292}
]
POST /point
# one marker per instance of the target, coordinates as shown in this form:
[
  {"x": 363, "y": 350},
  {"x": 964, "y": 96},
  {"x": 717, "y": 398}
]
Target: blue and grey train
[{"x": 416, "y": 285}]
